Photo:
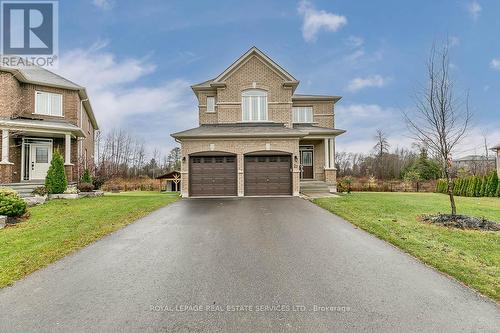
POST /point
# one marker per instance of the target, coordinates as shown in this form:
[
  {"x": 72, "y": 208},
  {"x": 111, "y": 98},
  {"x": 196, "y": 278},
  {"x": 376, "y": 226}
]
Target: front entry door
[
  {"x": 306, "y": 163},
  {"x": 40, "y": 156}
]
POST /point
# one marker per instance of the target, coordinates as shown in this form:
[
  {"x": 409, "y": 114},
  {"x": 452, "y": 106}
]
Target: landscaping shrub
[
  {"x": 11, "y": 204},
  {"x": 473, "y": 186},
  {"x": 86, "y": 178},
  {"x": 492, "y": 184},
  {"x": 56, "y": 181},
  {"x": 40, "y": 190},
  {"x": 86, "y": 187},
  {"x": 71, "y": 190}
]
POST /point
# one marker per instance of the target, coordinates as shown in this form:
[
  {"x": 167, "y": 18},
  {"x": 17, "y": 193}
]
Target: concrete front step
[
  {"x": 314, "y": 187},
  {"x": 24, "y": 189}
]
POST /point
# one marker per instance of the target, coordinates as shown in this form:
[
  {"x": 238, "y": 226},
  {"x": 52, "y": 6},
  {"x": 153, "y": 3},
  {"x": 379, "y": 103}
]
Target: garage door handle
[{"x": 267, "y": 180}]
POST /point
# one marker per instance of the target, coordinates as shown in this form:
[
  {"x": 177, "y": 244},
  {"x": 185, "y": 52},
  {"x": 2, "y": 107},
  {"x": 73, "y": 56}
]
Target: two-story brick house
[
  {"x": 256, "y": 136},
  {"x": 41, "y": 112}
]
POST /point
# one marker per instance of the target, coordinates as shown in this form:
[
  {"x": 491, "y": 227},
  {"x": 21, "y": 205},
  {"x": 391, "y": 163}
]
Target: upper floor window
[
  {"x": 254, "y": 105},
  {"x": 48, "y": 104},
  {"x": 303, "y": 114},
  {"x": 210, "y": 104}
]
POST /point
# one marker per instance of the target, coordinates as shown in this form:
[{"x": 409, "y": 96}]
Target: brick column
[
  {"x": 5, "y": 164},
  {"x": 69, "y": 172},
  {"x": 5, "y": 173}
]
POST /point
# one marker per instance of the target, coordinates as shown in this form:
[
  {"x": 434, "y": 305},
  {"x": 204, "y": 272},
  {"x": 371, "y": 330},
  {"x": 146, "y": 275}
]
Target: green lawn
[
  {"x": 472, "y": 257},
  {"x": 60, "y": 227}
]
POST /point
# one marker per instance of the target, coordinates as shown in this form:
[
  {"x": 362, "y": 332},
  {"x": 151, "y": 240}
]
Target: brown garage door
[
  {"x": 212, "y": 175},
  {"x": 268, "y": 175}
]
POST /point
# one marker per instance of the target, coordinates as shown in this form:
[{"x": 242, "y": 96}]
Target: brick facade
[
  {"x": 17, "y": 100},
  {"x": 255, "y": 72}
]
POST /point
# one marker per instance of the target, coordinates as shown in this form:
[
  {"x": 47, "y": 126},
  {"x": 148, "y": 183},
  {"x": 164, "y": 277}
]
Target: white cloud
[
  {"x": 315, "y": 20},
  {"x": 474, "y": 9},
  {"x": 361, "y": 122},
  {"x": 354, "y": 41},
  {"x": 495, "y": 64},
  {"x": 104, "y": 4},
  {"x": 359, "y": 83},
  {"x": 120, "y": 99}
]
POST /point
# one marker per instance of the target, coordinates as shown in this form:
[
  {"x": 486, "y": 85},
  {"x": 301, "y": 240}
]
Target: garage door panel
[
  {"x": 212, "y": 176},
  {"x": 268, "y": 175}
]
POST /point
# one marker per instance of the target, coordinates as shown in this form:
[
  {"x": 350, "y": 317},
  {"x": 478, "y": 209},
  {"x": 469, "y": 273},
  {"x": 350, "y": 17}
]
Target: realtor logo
[{"x": 29, "y": 28}]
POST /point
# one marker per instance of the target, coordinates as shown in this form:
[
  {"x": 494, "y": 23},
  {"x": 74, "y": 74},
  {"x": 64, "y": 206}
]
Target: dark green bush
[
  {"x": 86, "y": 178},
  {"x": 492, "y": 184},
  {"x": 11, "y": 204},
  {"x": 56, "y": 181}
]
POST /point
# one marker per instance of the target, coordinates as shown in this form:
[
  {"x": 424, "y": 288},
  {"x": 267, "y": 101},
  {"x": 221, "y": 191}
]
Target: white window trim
[
  {"x": 305, "y": 121},
  {"x": 258, "y": 107},
  {"x": 44, "y": 114},
  {"x": 211, "y": 111}
]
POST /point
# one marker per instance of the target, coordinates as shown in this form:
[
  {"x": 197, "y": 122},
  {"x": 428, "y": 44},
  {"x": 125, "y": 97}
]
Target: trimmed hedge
[
  {"x": 473, "y": 186},
  {"x": 11, "y": 204}
]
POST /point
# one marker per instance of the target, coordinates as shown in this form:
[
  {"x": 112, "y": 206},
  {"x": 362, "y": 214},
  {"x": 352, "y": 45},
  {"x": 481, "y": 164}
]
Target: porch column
[
  {"x": 5, "y": 147},
  {"x": 67, "y": 149},
  {"x": 327, "y": 155},
  {"x": 332, "y": 153}
]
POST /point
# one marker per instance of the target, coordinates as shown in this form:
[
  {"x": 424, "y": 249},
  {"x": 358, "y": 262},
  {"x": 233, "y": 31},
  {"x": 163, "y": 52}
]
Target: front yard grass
[
  {"x": 62, "y": 226},
  {"x": 472, "y": 257}
]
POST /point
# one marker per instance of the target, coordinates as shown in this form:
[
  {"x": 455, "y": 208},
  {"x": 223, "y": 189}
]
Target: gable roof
[
  {"x": 43, "y": 77},
  {"x": 170, "y": 175},
  {"x": 303, "y": 97},
  {"x": 253, "y": 51},
  {"x": 470, "y": 158}
]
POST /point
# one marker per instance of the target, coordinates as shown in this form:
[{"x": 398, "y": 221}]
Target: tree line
[{"x": 119, "y": 154}]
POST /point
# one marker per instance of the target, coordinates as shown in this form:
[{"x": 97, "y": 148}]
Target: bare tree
[
  {"x": 382, "y": 145},
  {"x": 381, "y": 148},
  {"x": 441, "y": 119}
]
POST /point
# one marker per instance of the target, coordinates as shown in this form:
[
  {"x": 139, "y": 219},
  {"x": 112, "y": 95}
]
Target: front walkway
[{"x": 242, "y": 265}]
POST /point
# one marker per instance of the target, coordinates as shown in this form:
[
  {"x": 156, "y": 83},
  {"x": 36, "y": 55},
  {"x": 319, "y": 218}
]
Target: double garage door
[{"x": 217, "y": 175}]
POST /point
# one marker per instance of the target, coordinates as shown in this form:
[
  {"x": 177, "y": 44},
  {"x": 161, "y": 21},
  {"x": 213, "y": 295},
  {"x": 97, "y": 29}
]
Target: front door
[
  {"x": 306, "y": 164},
  {"x": 40, "y": 156}
]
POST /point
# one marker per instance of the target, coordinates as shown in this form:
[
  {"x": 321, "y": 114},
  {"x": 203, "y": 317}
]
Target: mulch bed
[{"x": 461, "y": 222}]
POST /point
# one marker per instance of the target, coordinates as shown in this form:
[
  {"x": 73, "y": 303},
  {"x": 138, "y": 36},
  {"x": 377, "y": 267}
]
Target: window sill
[
  {"x": 255, "y": 121},
  {"x": 47, "y": 115}
]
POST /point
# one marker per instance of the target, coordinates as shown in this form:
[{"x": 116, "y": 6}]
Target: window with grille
[
  {"x": 48, "y": 103},
  {"x": 303, "y": 114},
  {"x": 254, "y": 105},
  {"x": 210, "y": 104}
]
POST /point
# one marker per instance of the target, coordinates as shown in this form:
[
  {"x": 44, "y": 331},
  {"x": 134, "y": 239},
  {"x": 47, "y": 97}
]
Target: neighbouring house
[
  {"x": 256, "y": 136},
  {"x": 496, "y": 149},
  {"x": 475, "y": 164},
  {"x": 41, "y": 112},
  {"x": 170, "y": 182}
]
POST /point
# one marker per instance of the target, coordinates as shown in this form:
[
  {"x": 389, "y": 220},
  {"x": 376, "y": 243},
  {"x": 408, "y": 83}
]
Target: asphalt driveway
[{"x": 242, "y": 265}]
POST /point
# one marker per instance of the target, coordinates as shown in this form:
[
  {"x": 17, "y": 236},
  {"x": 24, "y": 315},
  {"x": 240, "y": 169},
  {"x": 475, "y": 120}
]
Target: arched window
[{"x": 254, "y": 105}]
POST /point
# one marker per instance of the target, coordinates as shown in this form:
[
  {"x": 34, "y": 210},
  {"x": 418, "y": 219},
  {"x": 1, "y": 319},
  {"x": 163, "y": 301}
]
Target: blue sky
[{"x": 138, "y": 58}]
